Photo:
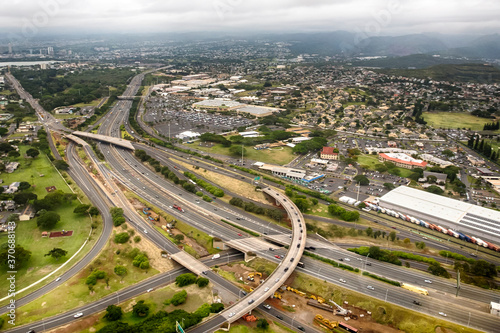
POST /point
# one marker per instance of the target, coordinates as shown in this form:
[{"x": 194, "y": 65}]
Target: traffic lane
[{"x": 117, "y": 297}]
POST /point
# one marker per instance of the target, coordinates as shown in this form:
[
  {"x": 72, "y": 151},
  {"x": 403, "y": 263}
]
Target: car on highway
[
  {"x": 301, "y": 328},
  {"x": 417, "y": 303},
  {"x": 78, "y": 315},
  {"x": 145, "y": 231},
  {"x": 370, "y": 287},
  {"x": 251, "y": 301},
  {"x": 240, "y": 235},
  {"x": 279, "y": 317},
  {"x": 347, "y": 259},
  {"x": 58, "y": 279},
  {"x": 231, "y": 314},
  {"x": 282, "y": 256},
  {"x": 277, "y": 256},
  {"x": 267, "y": 288},
  {"x": 204, "y": 272},
  {"x": 149, "y": 290},
  {"x": 31, "y": 331},
  {"x": 442, "y": 314},
  {"x": 267, "y": 306},
  {"x": 342, "y": 280},
  {"x": 271, "y": 249},
  {"x": 427, "y": 281}
]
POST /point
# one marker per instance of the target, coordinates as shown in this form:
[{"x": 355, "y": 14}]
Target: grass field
[
  {"x": 371, "y": 160},
  {"x": 28, "y": 235},
  {"x": 225, "y": 182},
  {"x": 455, "y": 120},
  {"x": 75, "y": 293},
  {"x": 196, "y": 297},
  {"x": 279, "y": 156}
]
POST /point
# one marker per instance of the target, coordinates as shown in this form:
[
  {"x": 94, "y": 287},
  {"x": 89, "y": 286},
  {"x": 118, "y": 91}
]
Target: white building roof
[{"x": 447, "y": 209}]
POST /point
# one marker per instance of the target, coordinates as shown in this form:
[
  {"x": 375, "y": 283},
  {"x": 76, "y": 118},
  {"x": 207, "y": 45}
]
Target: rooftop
[{"x": 403, "y": 158}]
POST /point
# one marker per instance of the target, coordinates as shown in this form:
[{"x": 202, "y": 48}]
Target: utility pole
[{"x": 357, "y": 197}]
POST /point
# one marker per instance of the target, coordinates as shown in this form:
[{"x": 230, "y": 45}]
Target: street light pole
[
  {"x": 386, "y": 294},
  {"x": 366, "y": 260},
  {"x": 293, "y": 320},
  {"x": 468, "y": 322}
]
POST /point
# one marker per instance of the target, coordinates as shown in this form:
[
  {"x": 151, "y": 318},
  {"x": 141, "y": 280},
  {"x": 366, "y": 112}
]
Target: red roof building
[
  {"x": 402, "y": 160},
  {"x": 328, "y": 153}
]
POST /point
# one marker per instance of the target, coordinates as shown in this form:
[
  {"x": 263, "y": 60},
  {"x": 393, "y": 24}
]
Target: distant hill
[
  {"x": 479, "y": 73},
  {"x": 417, "y": 61},
  {"x": 485, "y": 47},
  {"x": 400, "y": 45}
]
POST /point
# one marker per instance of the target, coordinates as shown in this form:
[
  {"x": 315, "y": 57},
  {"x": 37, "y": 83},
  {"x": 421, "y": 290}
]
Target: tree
[
  {"x": 185, "y": 279},
  {"x": 434, "y": 189},
  {"x": 302, "y": 204},
  {"x": 362, "y": 180},
  {"x": 48, "y": 220},
  {"x": 61, "y": 165},
  {"x": 13, "y": 154},
  {"x": 56, "y": 253},
  {"x": 23, "y": 197},
  {"x": 392, "y": 236},
  {"x": 216, "y": 307},
  {"x": 389, "y": 186},
  {"x": 369, "y": 231},
  {"x": 24, "y": 186},
  {"x": 432, "y": 179},
  {"x": 22, "y": 257},
  {"x": 236, "y": 150},
  {"x": 122, "y": 237},
  {"x": 81, "y": 209},
  {"x": 448, "y": 153},
  {"x": 113, "y": 313},
  {"x": 32, "y": 152},
  {"x": 202, "y": 282},
  {"x": 178, "y": 298},
  {"x": 140, "y": 309},
  {"x": 93, "y": 211},
  {"x": 262, "y": 323},
  {"x": 121, "y": 271}
]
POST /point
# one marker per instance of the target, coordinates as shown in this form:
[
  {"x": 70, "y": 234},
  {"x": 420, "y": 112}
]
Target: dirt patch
[
  {"x": 50, "y": 189},
  {"x": 444, "y": 330},
  {"x": 78, "y": 325},
  {"x": 60, "y": 234},
  {"x": 154, "y": 254}
]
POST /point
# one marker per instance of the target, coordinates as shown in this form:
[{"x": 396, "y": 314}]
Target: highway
[{"x": 153, "y": 191}]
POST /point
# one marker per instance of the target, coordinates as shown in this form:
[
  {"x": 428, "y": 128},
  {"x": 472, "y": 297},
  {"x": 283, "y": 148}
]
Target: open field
[
  {"x": 28, "y": 234},
  {"x": 371, "y": 160},
  {"x": 196, "y": 297},
  {"x": 455, "y": 120},
  {"x": 235, "y": 185},
  {"x": 279, "y": 156},
  {"x": 75, "y": 292}
]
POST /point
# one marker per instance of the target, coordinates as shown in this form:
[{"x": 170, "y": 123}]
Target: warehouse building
[{"x": 449, "y": 213}]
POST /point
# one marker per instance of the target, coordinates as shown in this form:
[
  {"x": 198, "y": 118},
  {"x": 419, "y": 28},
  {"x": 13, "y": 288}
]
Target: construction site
[{"x": 317, "y": 310}]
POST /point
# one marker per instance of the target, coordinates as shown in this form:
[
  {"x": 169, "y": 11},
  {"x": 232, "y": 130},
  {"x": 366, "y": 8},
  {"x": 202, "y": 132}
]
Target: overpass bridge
[
  {"x": 277, "y": 278},
  {"x": 103, "y": 138},
  {"x": 127, "y": 98}
]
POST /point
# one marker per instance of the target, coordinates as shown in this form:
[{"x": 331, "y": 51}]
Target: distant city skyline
[{"x": 371, "y": 17}]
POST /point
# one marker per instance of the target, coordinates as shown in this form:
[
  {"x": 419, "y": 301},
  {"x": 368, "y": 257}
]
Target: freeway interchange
[{"x": 128, "y": 171}]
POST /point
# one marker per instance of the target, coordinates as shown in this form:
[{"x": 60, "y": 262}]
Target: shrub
[{"x": 122, "y": 237}]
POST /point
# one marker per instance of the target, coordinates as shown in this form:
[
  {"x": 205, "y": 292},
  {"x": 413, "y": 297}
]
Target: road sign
[{"x": 178, "y": 328}]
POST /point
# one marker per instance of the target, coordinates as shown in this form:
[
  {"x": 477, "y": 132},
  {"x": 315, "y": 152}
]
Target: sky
[{"x": 371, "y": 17}]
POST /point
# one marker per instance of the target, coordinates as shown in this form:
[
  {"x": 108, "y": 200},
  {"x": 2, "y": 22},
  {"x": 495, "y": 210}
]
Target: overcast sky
[{"x": 373, "y": 17}]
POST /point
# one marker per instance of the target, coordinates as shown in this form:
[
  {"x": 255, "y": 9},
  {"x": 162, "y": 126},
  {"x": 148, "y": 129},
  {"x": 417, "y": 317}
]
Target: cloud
[{"x": 447, "y": 16}]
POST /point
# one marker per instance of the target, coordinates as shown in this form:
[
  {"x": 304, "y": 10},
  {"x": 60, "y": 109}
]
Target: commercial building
[
  {"x": 402, "y": 160},
  {"x": 328, "y": 153},
  {"x": 446, "y": 212}
]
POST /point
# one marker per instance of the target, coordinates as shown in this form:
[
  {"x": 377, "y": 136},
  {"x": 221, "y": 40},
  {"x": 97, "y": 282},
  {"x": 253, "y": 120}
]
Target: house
[
  {"x": 12, "y": 188},
  {"x": 27, "y": 214},
  {"x": 11, "y": 167},
  {"x": 329, "y": 153},
  {"x": 7, "y": 205}
]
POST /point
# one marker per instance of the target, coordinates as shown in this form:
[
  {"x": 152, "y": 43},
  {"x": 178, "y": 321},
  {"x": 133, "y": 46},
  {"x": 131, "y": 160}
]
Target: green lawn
[
  {"x": 455, "y": 120},
  {"x": 279, "y": 156},
  {"x": 75, "y": 293},
  {"x": 371, "y": 160},
  {"x": 28, "y": 234}
]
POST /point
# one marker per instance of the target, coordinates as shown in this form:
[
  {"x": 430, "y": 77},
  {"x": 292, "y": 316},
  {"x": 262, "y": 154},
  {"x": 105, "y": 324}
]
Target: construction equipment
[
  {"x": 249, "y": 318},
  {"x": 330, "y": 324},
  {"x": 298, "y": 292},
  {"x": 277, "y": 295},
  {"x": 320, "y": 299},
  {"x": 315, "y": 303},
  {"x": 340, "y": 310}
]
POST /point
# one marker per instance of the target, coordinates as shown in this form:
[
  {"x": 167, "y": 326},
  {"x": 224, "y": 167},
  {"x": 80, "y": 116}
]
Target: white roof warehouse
[{"x": 451, "y": 213}]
